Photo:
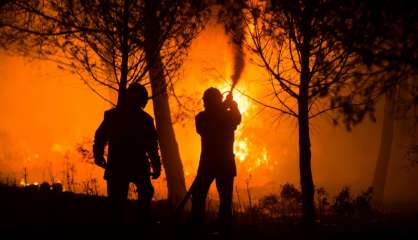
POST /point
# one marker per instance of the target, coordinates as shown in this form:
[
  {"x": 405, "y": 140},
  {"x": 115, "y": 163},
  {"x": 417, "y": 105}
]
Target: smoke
[
  {"x": 233, "y": 20},
  {"x": 239, "y": 62}
]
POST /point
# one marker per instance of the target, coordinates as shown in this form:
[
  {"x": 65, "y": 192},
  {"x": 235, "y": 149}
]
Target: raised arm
[{"x": 235, "y": 114}]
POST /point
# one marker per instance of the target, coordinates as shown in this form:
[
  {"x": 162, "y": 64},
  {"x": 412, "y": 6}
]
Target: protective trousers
[
  {"x": 117, "y": 190},
  {"x": 224, "y": 185}
]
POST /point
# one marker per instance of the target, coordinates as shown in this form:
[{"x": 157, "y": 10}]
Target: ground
[{"x": 27, "y": 214}]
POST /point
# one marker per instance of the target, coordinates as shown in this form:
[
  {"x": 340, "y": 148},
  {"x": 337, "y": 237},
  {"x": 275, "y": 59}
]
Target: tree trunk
[
  {"x": 169, "y": 149},
  {"x": 306, "y": 182},
  {"x": 125, "y": 54},
  {"x": 382, "y": 164}
]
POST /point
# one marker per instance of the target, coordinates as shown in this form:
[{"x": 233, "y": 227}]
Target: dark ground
[{"x": 27, "y": 214}]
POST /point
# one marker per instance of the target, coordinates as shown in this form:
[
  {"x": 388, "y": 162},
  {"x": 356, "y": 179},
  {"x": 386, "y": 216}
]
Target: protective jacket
[
  {"x": 132, "y": 143},
  {"x": 216, "y": 129}
]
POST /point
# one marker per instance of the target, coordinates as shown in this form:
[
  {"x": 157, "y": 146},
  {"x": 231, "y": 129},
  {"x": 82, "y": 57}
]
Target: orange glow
[
  {"x": 22, "y": 182},
  {"x": 46, "y": 112}
]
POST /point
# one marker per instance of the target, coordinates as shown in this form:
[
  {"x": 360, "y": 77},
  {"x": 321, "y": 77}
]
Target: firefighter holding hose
[{"x": 216, "y": 126}]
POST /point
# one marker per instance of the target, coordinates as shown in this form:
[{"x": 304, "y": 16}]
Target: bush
[
  {"x": 44, "y": 187},
  {"x": 363, "y": 203},
  {"x": 291, "y": 200},
  {"x": 322, "y": 200},
  {"x": 290, "y": 192},
  {"x": 361, "y": 206},
  {"x": 343, "y": 204},
  {"x": 56, "y": 187},
  {"x": 269, "y": 205}
]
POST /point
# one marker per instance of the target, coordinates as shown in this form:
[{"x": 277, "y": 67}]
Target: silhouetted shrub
[
  {"x": 31, "y": 188},
  {"x": 363, "y": 203},
  {"x": 287, "y": 205},
  {"x": 322, "y": 200},
  {"x": 57, "y": 187},
  {"x": 45, "y": 187},
  {"x": 343, "y": 205},
  {"x": 270, "y": 205},
  {"x": 291, "y": 199},
  {"x": 290, "y": 192}
]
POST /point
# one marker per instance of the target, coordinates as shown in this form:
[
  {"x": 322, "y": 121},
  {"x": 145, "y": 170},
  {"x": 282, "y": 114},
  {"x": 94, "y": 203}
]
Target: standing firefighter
[
  {"x": 216, "y": 126},
  {"x": 132, "y": 144}
]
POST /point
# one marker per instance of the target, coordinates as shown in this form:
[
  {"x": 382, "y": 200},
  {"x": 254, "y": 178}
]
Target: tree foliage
[{"x": 100, "y": 40}]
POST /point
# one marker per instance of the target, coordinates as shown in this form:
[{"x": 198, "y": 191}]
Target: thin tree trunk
[
  {"x": 308, "y": 207},
  {"x": 125, "y": 54},
  {"x": 382, "y": 164},
  {"x": 169, "y": 148}
]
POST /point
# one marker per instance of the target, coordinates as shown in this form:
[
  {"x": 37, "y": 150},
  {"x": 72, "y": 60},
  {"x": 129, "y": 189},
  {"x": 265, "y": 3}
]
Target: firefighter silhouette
[
  {"x": 132, "y": 143},
  {"x": 216, "y": 126}
]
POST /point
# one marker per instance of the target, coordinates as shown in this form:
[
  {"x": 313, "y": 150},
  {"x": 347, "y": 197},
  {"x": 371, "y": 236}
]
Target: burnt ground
[{"x": 28, "y": 214}]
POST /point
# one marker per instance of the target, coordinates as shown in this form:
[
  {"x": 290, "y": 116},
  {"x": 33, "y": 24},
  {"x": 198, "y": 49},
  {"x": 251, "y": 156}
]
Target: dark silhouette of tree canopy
[
  {"x": 384, "y": 36},
  {"x": 311, "y": 71},
  {"x": 329, "y": 55},
  {"x": 113, "y": 44},
  {"x": 383, "y": 33}
]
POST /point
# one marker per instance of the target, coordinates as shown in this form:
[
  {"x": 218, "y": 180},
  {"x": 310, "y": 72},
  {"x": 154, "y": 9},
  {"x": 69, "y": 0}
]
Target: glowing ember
[{"x": 22, "y": 182}]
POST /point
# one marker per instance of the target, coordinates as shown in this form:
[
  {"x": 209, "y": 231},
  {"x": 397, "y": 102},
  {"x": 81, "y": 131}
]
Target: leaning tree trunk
[
  {"x": 306, "y": 182},
  {"x": 382, "y": 164},
  {"x": 169, "y": 149}
]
